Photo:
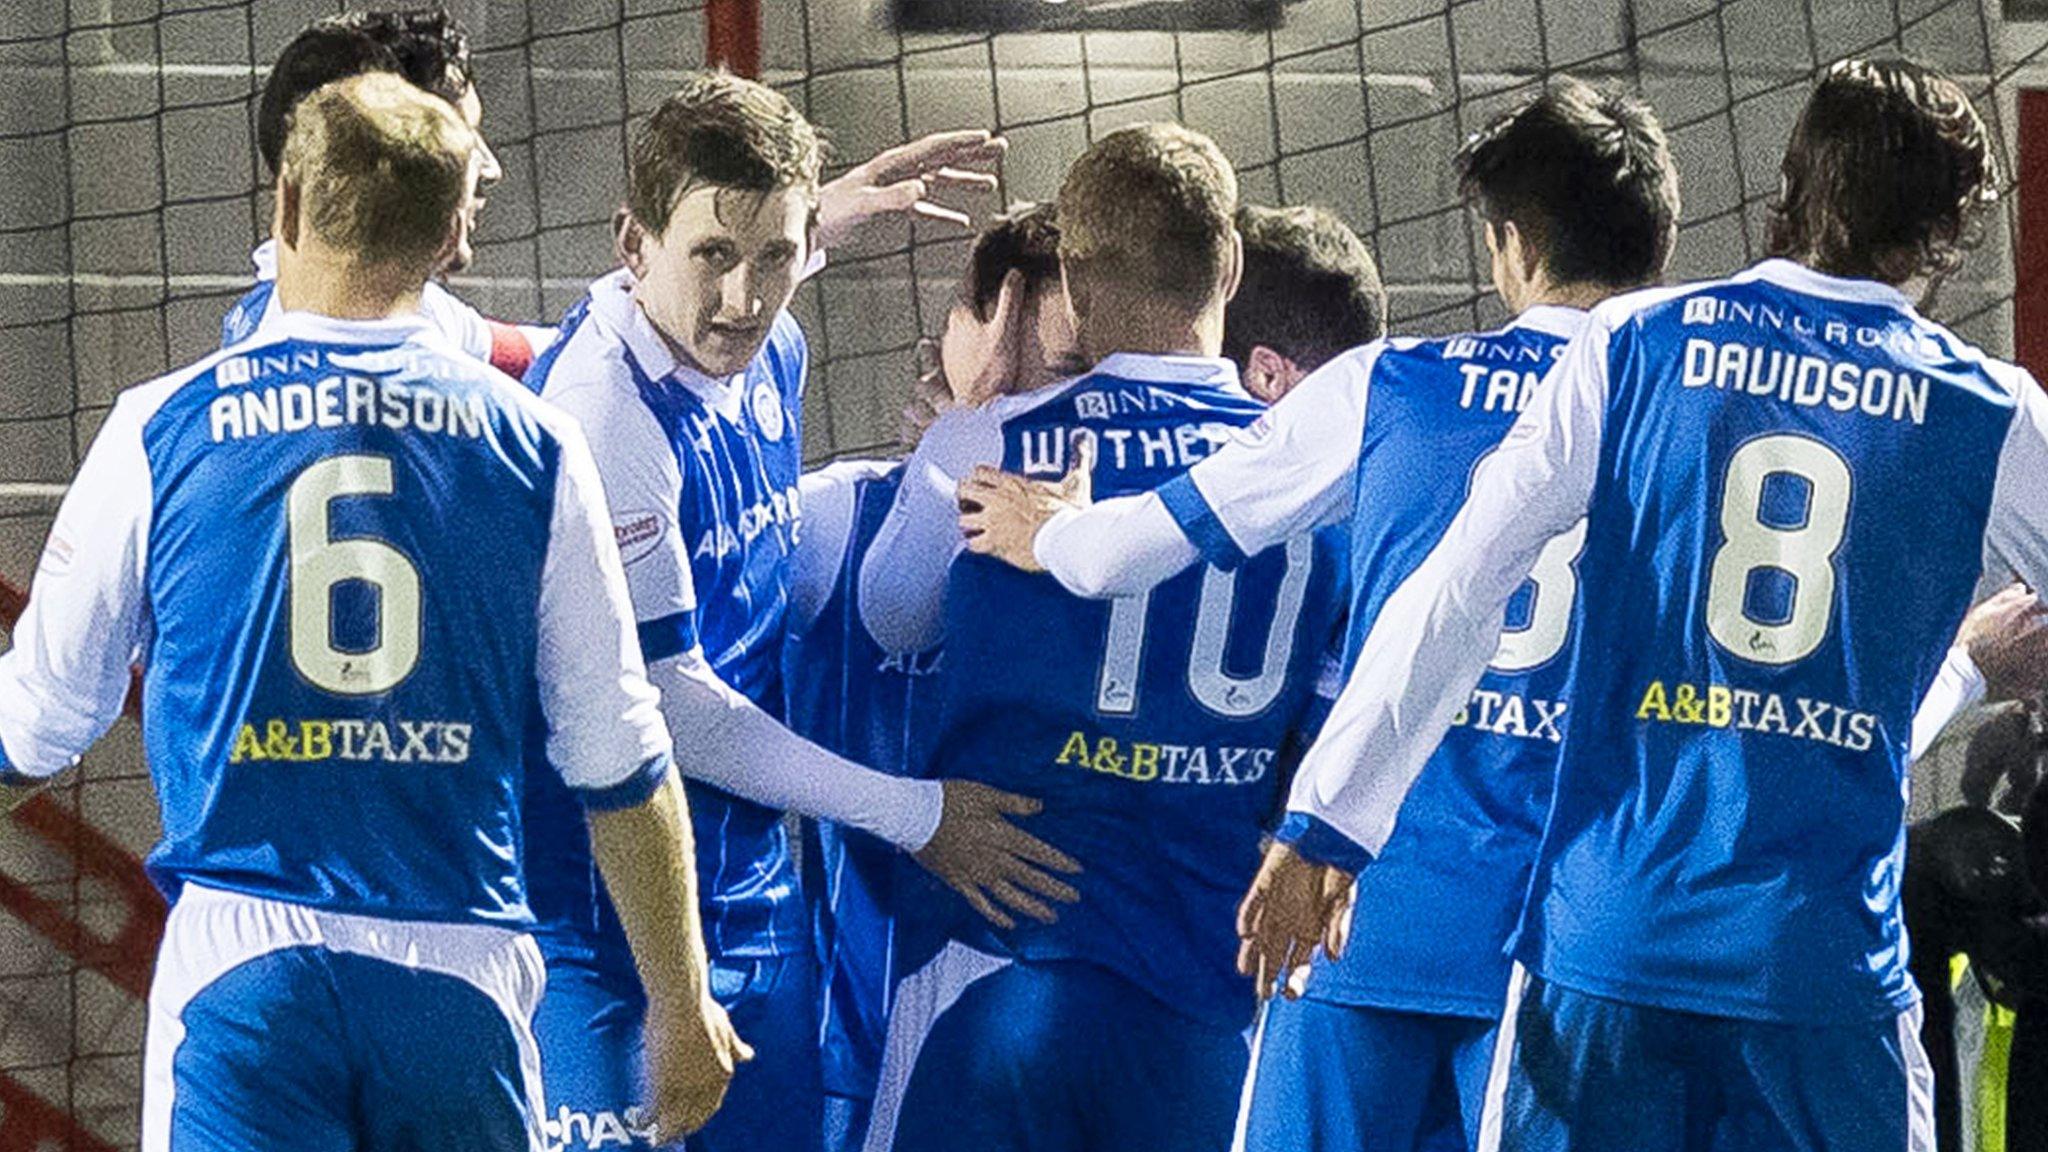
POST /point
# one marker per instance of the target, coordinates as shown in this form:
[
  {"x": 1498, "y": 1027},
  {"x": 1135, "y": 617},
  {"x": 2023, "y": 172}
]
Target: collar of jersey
[
  {"x": 1211, "y": 370},
  {"x": 265, "y": 260},
  {"x": 611, "y": 297},
  {"x": 1800, "y": 278},
  {"x": 1551, "y": 319},
  {"x": 334, "y": 330}
]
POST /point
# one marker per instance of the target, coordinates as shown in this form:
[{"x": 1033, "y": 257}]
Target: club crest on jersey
[
  {"x": 637, "y": 533},
  {"x": 767, "y": 408}
]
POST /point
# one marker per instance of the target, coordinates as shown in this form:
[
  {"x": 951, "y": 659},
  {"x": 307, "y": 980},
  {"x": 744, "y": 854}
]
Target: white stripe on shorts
[
  {"x": 921, "y": 998},
  {"x": 1503, "y": 1058},
  {"x": 1919, "y": 1082},
  {"x": 210, "y": 933}
]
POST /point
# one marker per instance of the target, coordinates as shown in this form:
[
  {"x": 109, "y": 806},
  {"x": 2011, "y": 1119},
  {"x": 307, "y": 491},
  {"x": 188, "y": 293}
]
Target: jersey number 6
[{"x": 320, "y": 563}]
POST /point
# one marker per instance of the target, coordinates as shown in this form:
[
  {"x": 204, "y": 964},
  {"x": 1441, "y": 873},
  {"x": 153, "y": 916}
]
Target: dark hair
[
  {"x": 1887, "y": 174},
  {"x": 721, "y": 130},
  {"x": 1586, "y": 177},
  {"x": 1145, "y": 218},
  {"x": 427, "y": 47},
  {"x": 1024, "y": 240},
  {"x": 1310, "y": 287}
]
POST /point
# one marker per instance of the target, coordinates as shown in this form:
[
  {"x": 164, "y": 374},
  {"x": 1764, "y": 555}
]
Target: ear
[
  {"x": 284, "y": 222},
  {"x": 629, "y": 241},
  {"x": 1268, "y": 375},
  {"x": 1512, "y": 247},
  {"x": 1233, "y": 272},
  {"x": 1067, "y": 301}
]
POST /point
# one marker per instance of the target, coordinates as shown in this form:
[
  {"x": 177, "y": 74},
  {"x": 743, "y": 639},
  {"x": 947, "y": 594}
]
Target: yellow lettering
[
  {"x": 1106, "y": 759},
  {"x": 1653, "y": 706},
  {"x": 316, "y": 739},
  {"x": 1144, "y": 761},
  {"x": 1720, "y": 705},
  {"x": 1076, "y": 751},
  {"x": 247, "y": 746}
]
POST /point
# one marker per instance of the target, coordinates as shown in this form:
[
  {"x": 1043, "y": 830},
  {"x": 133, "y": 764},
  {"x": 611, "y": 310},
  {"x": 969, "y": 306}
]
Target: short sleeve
[
  {"x": 643, "y": 490},
  {"x": 606, "y": 735}
]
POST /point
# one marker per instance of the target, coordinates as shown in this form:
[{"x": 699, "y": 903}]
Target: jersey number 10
[
  {"x": 1216, "y": 689},
  {"x": 320, "y": 564}
]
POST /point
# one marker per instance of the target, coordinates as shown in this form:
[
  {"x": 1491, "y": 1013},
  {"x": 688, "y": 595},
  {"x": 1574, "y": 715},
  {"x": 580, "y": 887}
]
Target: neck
[
  {"x": 1199, "y": 335},
  {"x": 314, "y": 278},
  {"x": 1581, "y": 296}
]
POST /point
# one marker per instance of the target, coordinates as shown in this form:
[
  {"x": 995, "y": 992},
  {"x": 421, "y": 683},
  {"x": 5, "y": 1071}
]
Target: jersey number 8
[
  {"x": 320, "y": 564},
  {"x": 1804, "y": 551}
]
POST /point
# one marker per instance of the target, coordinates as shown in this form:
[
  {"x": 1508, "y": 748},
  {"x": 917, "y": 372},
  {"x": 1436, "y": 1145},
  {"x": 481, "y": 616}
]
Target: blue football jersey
[
  {"x": 701, "y": 476},
  {"x": 360, "y": 567},
  {"x": 849, "y": 695},
  {"x": 1434, "y": 910},
  {"x": 1152, "y": 726},
  {"x": 1790, "y": 483}
]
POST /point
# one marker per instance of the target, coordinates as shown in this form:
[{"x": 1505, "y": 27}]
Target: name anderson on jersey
[{"x": 340, "y": 400}]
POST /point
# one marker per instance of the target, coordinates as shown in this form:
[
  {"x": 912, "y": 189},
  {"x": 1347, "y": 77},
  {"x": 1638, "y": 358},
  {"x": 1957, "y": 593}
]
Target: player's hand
[
  {"x": 1001, "y": 512},
  {"x": 991, "y": 862},
  {"x": 2007, "y": 638},
  {"x": 900, "y": 181},
  {"x": 691, "y": 1057},
  {"x": 1294, "y": 905}
]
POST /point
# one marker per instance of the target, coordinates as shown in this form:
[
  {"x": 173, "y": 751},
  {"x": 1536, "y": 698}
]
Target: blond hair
[
  {"x": 1145, "y": 219},
  {"x": 382, "y": 168}
]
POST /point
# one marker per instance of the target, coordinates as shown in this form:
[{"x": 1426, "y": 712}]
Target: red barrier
[
  {"x": 124, "y": 958},
  {"x": 27, "y": 1121},
  {"x": 732, "y": 36}
]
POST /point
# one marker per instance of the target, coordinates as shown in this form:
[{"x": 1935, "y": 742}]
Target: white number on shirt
[
  {"x": 1217, "y": 690},
  {"x": 1806, "y": 552},
  {"x": 1550, "y": 615},
  {"x": 319, "y": 563}
]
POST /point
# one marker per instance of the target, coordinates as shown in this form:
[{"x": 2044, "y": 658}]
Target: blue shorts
[
  {"x": 987, "y": 1054},
  {"x": 1346, "y": 1078},
  {"x": 273, "y": 1025},
  {"x": 591, "y": 1056},
  {"x": 1576, "y": 1072}
]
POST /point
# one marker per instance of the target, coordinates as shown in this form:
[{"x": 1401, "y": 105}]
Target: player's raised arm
[{"x": 63, "y": 682}]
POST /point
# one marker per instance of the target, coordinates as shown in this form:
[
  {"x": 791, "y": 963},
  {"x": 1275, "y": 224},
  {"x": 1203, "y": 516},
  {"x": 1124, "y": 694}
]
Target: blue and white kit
[
  {"x": 359, "y": 568},
  {"x": 1391, "y": 1047},
  {"x": 850, "y": 695},
  {"x": 1153, "y": 729},
  {"x": 701, "y": 475},
  {"x": 1792, "y": 486}
]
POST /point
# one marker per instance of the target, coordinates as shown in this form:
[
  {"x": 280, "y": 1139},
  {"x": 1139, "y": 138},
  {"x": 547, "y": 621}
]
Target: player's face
[
  {"x": 488, "y": 173},
  {"x": 728, "y": 262}
]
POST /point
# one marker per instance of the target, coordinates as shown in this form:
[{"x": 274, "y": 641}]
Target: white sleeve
[
  {"x": 1290, "y": 472},
  {"x": 63, "y": 682},
  {"x": 1119, "y": 547},
  {"x": 1957, "y": 688},
  {"x": 903, "y": 576},
  {"x": 605, "y": 730},
  {"x": 1433, "y": 637},
  {"x": 643, "y": 488},
  {"x": 827, "y": 497},
  {"x": 2017, "y": 533},
  {"x": 731, "y": 743}
]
